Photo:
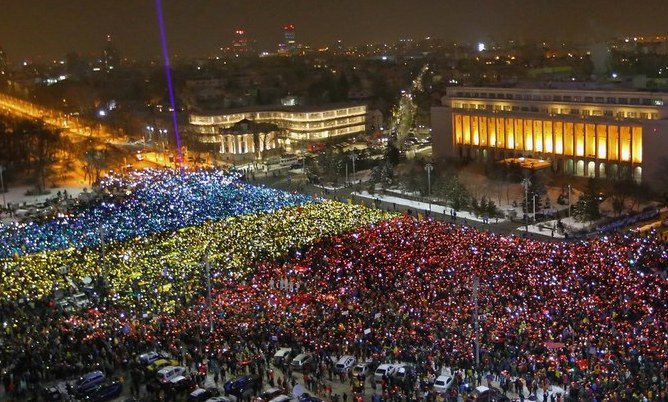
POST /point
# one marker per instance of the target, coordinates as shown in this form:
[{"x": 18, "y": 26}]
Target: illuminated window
[
  {"x": 625, "y": 142},
  {"x": 491, "y": 131},
  {"x": 613, "y": 143},
  {"x": 527, "y": 134},
  {"x": 590, "y": 140},
  {"x": 547, "y": 136},
  {"x": 458, "y": 129},
  {"x": 519, "y": 140},
  {"x": 558, "y": 138},
  {"x": 466, "y": 120},
  {"x": 474, "y": 131},
  {"x": 568, "y": 138},
  {"x": 510, "y": 139},
  {"x": 538, "y": 135},
  {"x": 500, "y": 133},
  {"x": 579, "y": 139},
  {"x": 637, "y": 144},
  {"x": 601, "y": 140},
  {"x": 482, "y": 129}
]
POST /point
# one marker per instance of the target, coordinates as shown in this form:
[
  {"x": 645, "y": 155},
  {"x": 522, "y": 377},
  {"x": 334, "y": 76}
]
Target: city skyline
[{"x": 45, "y": 30}]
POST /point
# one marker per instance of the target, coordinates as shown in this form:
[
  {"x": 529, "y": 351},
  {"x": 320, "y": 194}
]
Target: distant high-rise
[
  {"x": 240, "y": 45},
  {"x": 289, "y": 38},
  {"x": 110, "y": 56}
]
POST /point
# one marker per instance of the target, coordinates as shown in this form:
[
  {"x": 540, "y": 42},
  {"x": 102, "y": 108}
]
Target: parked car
[
  {"x": 281, "y": 398},
  {"x": 52, "y": 394},
  {"x": 182, "y": 383},
  {"x": 166, "y": 374},
  {"x": 219, "y": 399},
  {"x": 88, "y": 382},
  {"x": 104, "y": 392},
  {"x": 384, "y": 370},
  {"x": 306, "y": 397},
  {"x": 361, "y": 369},
  {"x": 404, "y": 374},
  {"x": 203, "y": 394},
  {"x": 241, "y": 385},
  {"x": 159, "y": 365},
  {"x": 270, "y": 394},
  {"x": 149, "y": 357},
  {"x": 302, "y": 361},
  {"x": 484, "y": 394},
  {"x": 345, "y": 363},
  {"x": 443, "y": 383},
  {"x": 282, "y": 356}
]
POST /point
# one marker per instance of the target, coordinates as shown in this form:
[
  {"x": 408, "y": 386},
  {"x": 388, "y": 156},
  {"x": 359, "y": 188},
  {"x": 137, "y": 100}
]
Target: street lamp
[
  {"x": 429, "y": 167},
  {"x": 569, "y": 200},
  {"x": 353, "y": 157},
  {"x": 526, "y": 182}
]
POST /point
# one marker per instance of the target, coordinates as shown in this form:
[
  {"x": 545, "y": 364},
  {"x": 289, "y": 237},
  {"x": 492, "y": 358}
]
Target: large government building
[
  {"x": 585, "y": 132},
  {"x": 297, "y": 125}
]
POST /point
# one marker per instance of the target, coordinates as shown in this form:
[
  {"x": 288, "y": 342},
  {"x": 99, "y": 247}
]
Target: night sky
[{"x": 47, "y": 29}]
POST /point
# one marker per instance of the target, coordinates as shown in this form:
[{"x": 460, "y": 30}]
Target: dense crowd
[
  {"x": 143, "y": 203},
  {"x": 146, "y": 270},
  {"x": 589, "y": 316}
]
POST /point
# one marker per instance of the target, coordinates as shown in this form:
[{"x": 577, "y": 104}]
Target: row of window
[
  {"x": 555, "y": 110},
  {"x": 614, "y": 100},
  {"x": 277, "y": 117}
]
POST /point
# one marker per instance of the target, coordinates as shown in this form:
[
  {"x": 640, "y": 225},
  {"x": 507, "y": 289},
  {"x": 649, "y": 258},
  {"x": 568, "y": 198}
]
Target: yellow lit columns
[{"x": 602, "y": 141}]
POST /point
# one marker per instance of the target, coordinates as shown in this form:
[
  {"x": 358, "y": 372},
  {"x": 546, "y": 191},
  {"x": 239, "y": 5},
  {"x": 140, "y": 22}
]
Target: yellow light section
[
  {"x": 491, "y": 131},
  {"x": 590, "y": 140},
  {"x": 458, "y": 129},
  {"x": 467, "y": 129},
  {"x": 474, "y": 130},
  {"x": 527, "y": 134},
  {"x": 482, "y": 128},
  {"x": 510, "y": 139},
  {"x": 637, "y": 144},
  {"x": 500, "y": 132},
  {"x": 625, "y": 142},
  {"x": 519, "y": 140},
  {"x": 568, "y": 139},
  {"x": 547, "y": 137},
  {"x": 579, "y": 139},
  {"x": 601, "y": 140},
  {"x": 613, "y": 143},
  {"x": 559, "y": 138},
  {"x": 538, "y": 135}
]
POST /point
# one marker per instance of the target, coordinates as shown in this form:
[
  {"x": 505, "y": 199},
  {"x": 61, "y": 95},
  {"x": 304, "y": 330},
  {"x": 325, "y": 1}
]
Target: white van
[{"x": 384, "y": 369}]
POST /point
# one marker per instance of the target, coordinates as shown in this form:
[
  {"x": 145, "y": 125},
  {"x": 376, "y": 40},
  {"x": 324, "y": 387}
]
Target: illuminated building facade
[
  {"x": 592, "y": 133},
  {"x": 245, "y": 140},
  {"x": 299, "y": 125}
]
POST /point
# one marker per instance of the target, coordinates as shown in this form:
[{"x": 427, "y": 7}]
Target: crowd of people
[
  {"x": 590, "y": 316},
  {"x": 146, "y": 202},
  {"x": 169, "y": 267}
]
